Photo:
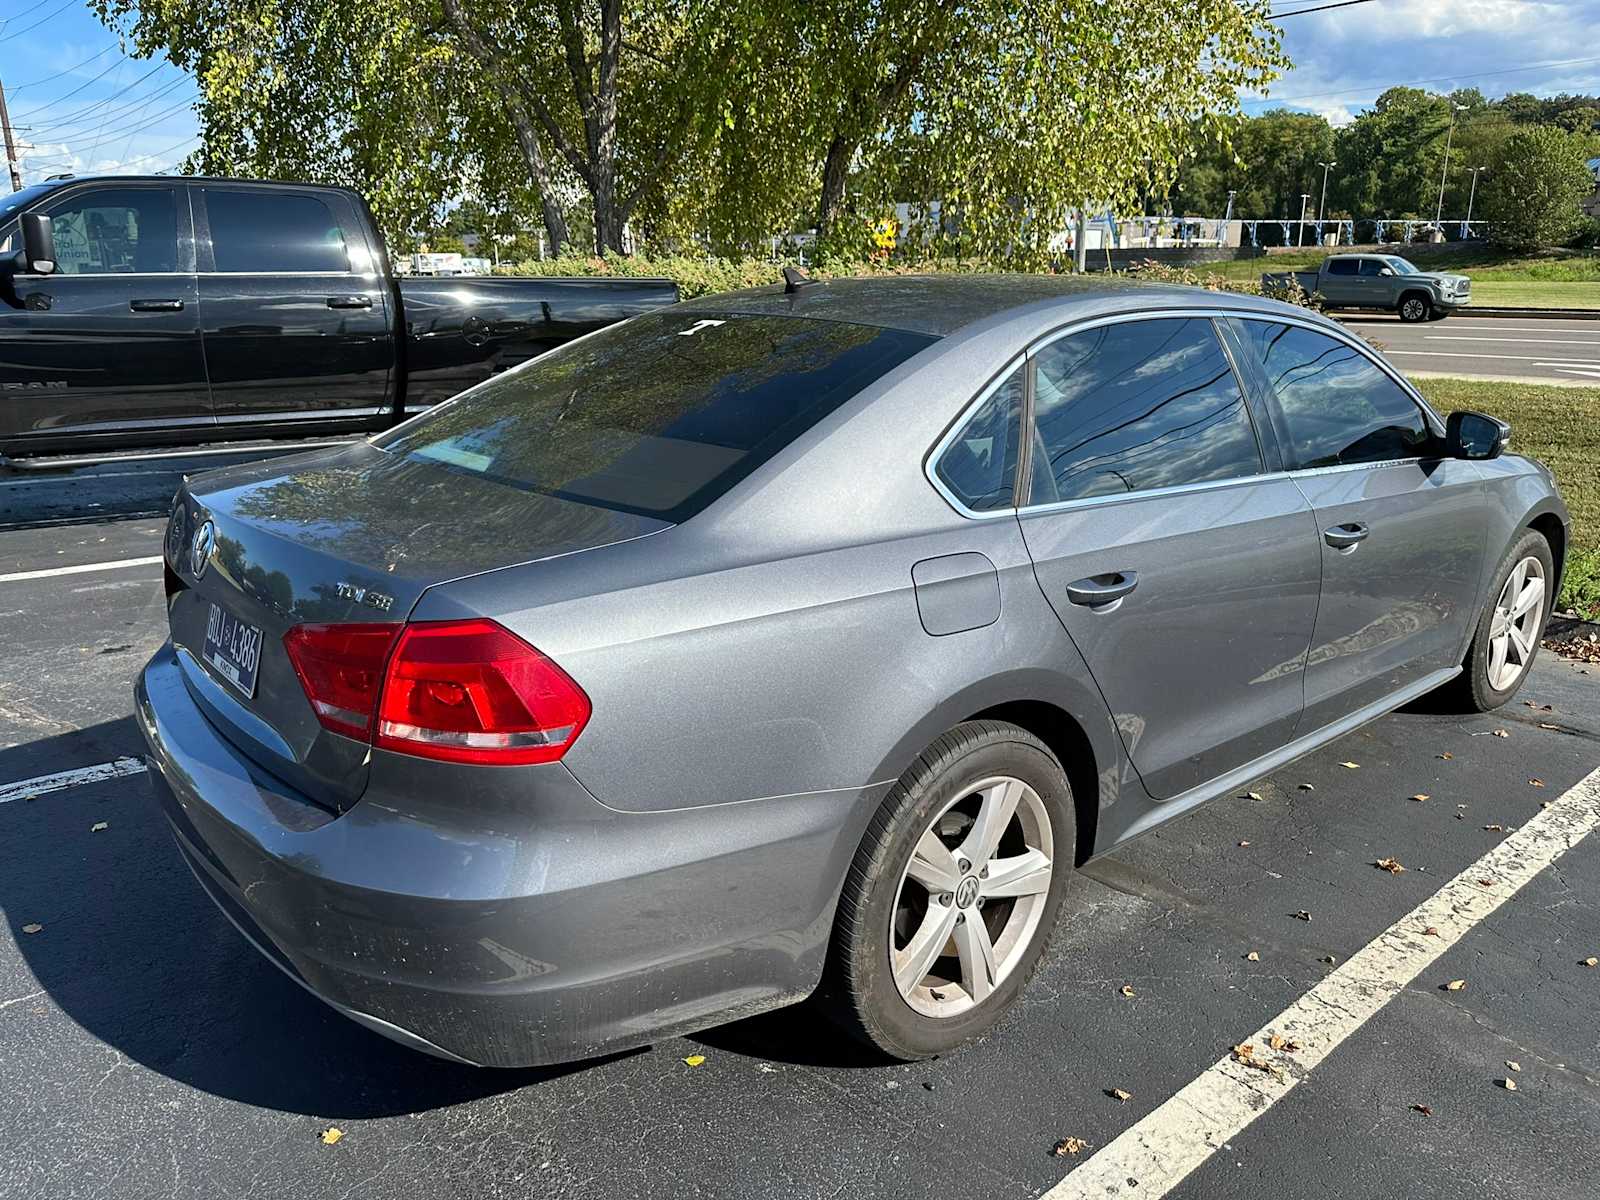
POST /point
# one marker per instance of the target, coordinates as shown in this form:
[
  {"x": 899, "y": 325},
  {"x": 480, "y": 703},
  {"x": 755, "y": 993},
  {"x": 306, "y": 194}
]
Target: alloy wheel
[
  {"x": 1514, "y": 629},
  {"x": 1413, "y": 310},
  {"x": 970, "y": 899}
]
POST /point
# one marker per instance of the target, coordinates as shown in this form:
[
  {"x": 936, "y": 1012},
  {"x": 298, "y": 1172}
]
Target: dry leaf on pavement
[
  {"x": 1513, "y": 1066},
  {"x": 694, "y": 1060},
  {"x": 1391, "y": 865},
  {"x": 1069, "y": 1145},
  {"x": 1302, "y": 915},
  {"x": 1252, "y": 957},
  {"x": 1351, "y": 765},
  {"x": 1446, "y": 754},
  {"x": 1425, "y": 1109},
  {"x": 331, "y": 1135},
  {"x": 1119, "y": 1094},
  {"x": 1244, "y": 843},
  {"x": 99, "y": 825},
  {"x": 1420, "y": 796},
  {"x": 1308, "y": 787},
  {"x": 1494, "y": 828},
  {"x": 1535, "y": 783},
  {"x": 1591, "y": 961},
  {"x": 1252, "y": 795},
  {"x": 1431, "y": 931},
  {"x": 1509, "y": 1084},
  {"x": 33, "y": 928},
  {"x": 1455, "y": 985},
  {"x": 1500, "y": 733},
  {"x": 1127, "y": 990}
]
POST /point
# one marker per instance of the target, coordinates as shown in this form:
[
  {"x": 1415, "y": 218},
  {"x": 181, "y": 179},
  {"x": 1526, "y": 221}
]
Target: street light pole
[
  {"x": 1472, "y": 195},
  {"x": 1326, "y": 167},
  {"x": 1300, "y": 234},
  {"x": 1438, "y": 213}
]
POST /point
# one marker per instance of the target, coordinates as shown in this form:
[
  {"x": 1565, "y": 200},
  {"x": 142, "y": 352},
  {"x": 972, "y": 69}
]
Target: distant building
[{"x": 1591, "y": 206}]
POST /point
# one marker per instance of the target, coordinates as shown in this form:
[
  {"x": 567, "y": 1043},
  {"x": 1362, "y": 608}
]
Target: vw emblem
[
  {"x": 967, "y": 892},
  {"x": 205, "y": 541}
]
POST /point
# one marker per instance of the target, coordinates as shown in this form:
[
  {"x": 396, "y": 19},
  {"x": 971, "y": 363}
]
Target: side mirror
[
  {"x": 1475, "y": 435},
  {"x": 1385, "y": 270},
  {"x": 38, "y": 253}
]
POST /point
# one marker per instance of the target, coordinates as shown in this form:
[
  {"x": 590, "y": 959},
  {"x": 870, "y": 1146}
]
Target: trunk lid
[{"x": 354, "y": 534}]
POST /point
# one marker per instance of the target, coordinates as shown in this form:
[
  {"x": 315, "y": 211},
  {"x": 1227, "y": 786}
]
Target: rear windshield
[{"x": 658, "y": 416}]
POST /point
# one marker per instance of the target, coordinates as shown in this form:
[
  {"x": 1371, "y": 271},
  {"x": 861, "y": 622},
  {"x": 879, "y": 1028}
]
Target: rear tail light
[{"x": 460, "y": 691}]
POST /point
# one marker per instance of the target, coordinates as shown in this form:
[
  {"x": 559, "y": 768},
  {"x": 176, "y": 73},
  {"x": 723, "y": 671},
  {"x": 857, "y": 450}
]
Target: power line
[
  {"x": 52, "y": 13},
  {"x": 1387, "y": 83},
  {"x": 137, "y": 124},
  {"x": 118, "y": 111},
  {"x": 68, "y": 71},
  {"x": 1300, "y": 12},
  {"x": 68, "y": 95}
]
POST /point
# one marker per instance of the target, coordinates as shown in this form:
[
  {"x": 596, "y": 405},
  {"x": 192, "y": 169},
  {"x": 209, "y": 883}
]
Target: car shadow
[{"x": 134, "y": 952}]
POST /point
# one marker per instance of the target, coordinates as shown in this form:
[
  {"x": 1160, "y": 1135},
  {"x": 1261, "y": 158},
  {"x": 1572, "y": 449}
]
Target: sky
[
  {"x": 79, "y": 105},
  {"x": 1344, "y": 57}
]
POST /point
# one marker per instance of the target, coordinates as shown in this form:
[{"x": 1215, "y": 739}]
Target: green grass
[
  {"x": 1560, "y": 427},
  {"x": 1501, "y": 292}
]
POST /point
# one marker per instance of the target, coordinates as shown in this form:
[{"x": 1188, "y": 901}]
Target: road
[
  {"x": 1560, "y": 350},
  {"x": 147, "y": 1051}
]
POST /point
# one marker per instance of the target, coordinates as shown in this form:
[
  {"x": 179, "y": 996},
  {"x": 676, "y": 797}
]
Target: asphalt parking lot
[
  {"x": 146, "y": 1050},
  {"x": 1545, "y": 349}
]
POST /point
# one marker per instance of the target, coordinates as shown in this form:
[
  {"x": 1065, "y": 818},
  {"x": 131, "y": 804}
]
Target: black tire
[
  {"x": 861, "y": 992},
  {"x": 1415, "y": 306},
  {"x": 1471, "y": 691}
]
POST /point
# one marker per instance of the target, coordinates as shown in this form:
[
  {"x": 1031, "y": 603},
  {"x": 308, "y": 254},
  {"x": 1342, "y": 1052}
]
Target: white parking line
[
  {"x": 1161, "y": 1150},
  {"x": 30, "y": 789},
  {"x": 81, "y": 569}
]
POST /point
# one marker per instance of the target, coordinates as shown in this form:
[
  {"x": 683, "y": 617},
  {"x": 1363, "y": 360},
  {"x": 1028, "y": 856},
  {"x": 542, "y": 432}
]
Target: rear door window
[
  {"x": 1137, "y": 405},
  {"x": 1335, "y": 405},
  {"x": 1342, "y": 266},
  {"x": 659, "y": 415},
  {"x": 272, "y": 232}
]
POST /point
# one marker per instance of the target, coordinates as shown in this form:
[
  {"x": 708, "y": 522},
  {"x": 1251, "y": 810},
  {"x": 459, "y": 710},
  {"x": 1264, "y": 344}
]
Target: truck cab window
[
  {"x": 117, "y": 231},
  {"x": 274, "y": 232}
]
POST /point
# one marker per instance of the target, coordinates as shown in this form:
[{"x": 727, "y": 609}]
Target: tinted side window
[
  {"x": 1137, "y": 405},
  {"x": 1337, "y": 405},
  {"x": 1342, "y": 266},
  {"x": 980, "y": 466},
  {"x": 1371, "y": 267},
  {"x": 274, "y": 231},
  {"x": 117, "y": 231}
]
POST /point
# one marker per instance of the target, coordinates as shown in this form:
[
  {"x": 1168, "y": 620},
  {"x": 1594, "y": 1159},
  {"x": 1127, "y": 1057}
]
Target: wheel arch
[
  {"x": 1061, "y": 732},
  {"x": 1423, "y": 293},
  {"x": 1554, "y": 530}
]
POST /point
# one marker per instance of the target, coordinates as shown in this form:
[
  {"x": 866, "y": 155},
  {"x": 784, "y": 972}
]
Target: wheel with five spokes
[
  {"x": 1507, "y": 637},
  {"x": 954, "y": 892}
]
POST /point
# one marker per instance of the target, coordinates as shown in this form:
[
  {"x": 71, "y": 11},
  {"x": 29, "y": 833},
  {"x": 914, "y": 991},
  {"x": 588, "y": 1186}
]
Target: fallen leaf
[
  {"x": 1244, "y": 843},
  {"x": 1500, "y": 733},
  {"x": 694, "y": 1060},
  {"x": 1391, "y": 865},
  {"x": 1245, "y": 1054},
  {"x": 1548, "y": 725},
  {"x": 1127, "y": 990},
  {"x": 1513, "y": 1066},
  {"x": 1425, "y": 1109},
  {"x": 1485, "y": 883},
  {"x": 1244, "y": 1051},
  {"x": 1328, "y": 959},
  {"x": 1509, "y": 1084},
  {"x": 1308, "y": 787},
  {"x": 1070, "y": 1145},
  {"x": 1252, "y": 957},
  {"x": 1351, "y": 765},
  {"x": 1446, "y": 754},
  {"x": 99, "y": 825},
  {"x": 1591, "y": 961},
  {"x": 1535, "y": 783},
  {"x": 1278, "y": 1042},
  {"x": 1494, "y": 828},
  {"x": 34, "y": 928},
  {"x": 1119, "y": 1094},
  {"x": 331, "y": 1135},
  {"x": 1252, "y": 795},
  {"x": 1431, "y": 931},
  {"x": 1421, "y": 796},
  {"x": 1302, "y": 915},
  {"x": 1455, "y": 985}
]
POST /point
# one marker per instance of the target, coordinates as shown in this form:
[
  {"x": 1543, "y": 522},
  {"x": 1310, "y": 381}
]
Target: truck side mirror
[
  {"x": 38, "y": 253},
  {"x": 1470, "y": 434},
  {"x": 1385, "y": 270}
]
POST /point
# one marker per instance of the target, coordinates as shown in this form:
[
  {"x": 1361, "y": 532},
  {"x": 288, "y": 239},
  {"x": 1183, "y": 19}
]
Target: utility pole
[
  {"x": 1438, "y": 213},
  {"x": 1471, "y": 196},
  {"x": 1300, "y": 233},
  {"x": 11, "y": 145},
  {"x": 1326, "y": 167}
]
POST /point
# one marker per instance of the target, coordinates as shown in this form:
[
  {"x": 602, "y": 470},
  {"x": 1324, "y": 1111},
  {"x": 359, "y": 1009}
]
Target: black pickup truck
[{"x": 177, "y": 311}]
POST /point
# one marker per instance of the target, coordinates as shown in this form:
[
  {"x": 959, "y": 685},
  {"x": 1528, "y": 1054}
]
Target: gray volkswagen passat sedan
[{"x": 811, "y": 638}]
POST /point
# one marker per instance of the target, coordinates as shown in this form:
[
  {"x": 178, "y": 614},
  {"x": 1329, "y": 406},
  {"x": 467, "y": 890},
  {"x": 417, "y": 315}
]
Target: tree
[
  {"x": 1390, "y": 157},
  {"x": 1270, "y": 164},
  {"x": 1533, "y": 194}
]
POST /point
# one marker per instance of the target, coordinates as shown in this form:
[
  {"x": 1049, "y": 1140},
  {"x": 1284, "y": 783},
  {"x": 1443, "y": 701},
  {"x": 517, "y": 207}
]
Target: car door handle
[
  {"x": 1345, "y": 537},
  {"x": 1097, "y": 591},
  {"x": 349, "y": 301},
  {"x": 156, "y": 305}
]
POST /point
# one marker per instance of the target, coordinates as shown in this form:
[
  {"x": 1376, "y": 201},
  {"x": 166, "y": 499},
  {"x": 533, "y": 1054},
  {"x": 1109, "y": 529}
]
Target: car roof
[{"x": 942, "y": 304}]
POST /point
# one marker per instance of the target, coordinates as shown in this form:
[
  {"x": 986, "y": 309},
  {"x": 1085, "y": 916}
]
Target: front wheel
[
  {"x": 1415, "y": 307},
  {"x": 1507, "y": 638},
  {"x": 954, "y": 892}
]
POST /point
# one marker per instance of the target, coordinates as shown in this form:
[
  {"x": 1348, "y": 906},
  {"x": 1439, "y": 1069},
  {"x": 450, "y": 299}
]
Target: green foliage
[
  {"x": 1533, "y": 195},
  {"x": 1580, "y": 584},
  {"x": 1271, "y": 163}
]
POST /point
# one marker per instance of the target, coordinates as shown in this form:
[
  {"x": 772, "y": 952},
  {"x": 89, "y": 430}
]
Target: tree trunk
[
  {"x": 555, "y": 223},
  {"x": 835, "y": 171}
]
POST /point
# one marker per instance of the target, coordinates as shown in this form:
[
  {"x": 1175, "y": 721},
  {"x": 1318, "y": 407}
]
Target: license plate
[{"x": 233, "y": 649}]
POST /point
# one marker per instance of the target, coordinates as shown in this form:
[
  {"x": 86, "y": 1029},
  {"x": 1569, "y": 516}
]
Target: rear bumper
[{"x": 516, "y": 921}]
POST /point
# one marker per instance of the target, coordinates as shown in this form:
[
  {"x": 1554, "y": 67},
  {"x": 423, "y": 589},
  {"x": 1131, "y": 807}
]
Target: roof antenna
[{"x": 794, "y": 279}]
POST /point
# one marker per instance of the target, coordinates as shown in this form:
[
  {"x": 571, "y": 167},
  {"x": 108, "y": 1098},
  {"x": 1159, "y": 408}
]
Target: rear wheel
[
  {"x": 1507, "y": 638},
  {"x": 1414, "y": 306},
  {"x": 954, "y": 892}
]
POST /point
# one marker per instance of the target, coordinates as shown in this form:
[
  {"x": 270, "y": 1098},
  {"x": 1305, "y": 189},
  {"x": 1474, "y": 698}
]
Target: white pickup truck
[{"x": 1384, "y": 281}]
